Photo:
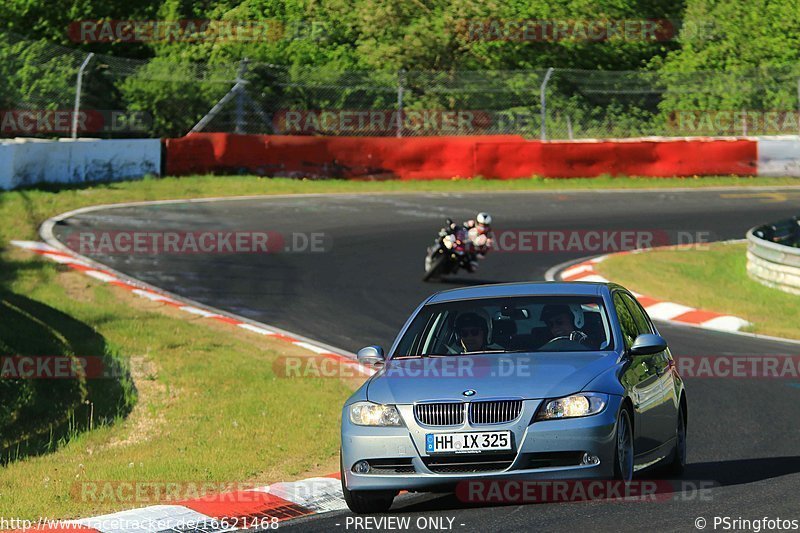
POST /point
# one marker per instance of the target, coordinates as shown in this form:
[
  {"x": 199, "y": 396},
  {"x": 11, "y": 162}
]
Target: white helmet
[{"x": 484, "y": 218}]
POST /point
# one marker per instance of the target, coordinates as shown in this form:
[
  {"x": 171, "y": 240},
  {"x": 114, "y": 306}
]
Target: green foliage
[
  {"x": 729, "y": 55},
  {"x": 748, "y": 49}
]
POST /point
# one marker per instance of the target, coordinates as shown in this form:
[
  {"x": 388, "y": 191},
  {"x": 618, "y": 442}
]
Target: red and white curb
[
  {"x": 253, "y": 509},
  {"x": 65, "y": 258},
  {"x": 261, "y": 508},
  {"x": 658, "y": 309}
]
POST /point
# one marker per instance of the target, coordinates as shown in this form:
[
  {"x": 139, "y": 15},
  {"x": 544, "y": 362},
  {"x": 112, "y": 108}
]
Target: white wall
[
  {"x": 779, "y": 156},
  {"x": 25, "y": 162}
]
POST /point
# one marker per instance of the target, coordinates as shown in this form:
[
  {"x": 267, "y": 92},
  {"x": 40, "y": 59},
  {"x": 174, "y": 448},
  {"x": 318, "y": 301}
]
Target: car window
[
  {"x": 639, "y": 318},
  {"x": 626, "y": 322},
  {"x": 510, "y": 324}
]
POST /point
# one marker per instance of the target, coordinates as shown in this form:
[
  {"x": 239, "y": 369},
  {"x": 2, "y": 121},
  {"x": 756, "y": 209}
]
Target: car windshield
[{"x": 509, "y": 324}]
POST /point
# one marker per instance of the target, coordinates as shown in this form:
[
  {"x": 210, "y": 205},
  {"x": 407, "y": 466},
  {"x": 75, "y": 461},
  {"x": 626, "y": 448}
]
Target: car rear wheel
[
  {"x": 623, "y": 456},
  {"x": 366, "y": 501}
]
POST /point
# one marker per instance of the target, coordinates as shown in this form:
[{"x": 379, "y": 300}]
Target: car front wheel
[{"x": 623, "y": 456}]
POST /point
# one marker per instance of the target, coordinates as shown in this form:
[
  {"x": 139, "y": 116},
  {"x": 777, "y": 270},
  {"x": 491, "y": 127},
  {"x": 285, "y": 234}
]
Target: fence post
[
  {"x": 78, "y": 90},
  {"x": 400, "y": 90},
  {"x": 543, "y": 101},
  {"x": 240, "y": 96}
]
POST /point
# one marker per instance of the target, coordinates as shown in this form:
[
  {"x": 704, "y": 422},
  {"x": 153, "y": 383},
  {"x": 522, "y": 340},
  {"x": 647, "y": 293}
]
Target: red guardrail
[{"x": 502, "y": 156}]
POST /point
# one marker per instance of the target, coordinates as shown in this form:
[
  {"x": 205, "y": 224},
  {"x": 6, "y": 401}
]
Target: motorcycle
[{"x": 450, "y": 251}]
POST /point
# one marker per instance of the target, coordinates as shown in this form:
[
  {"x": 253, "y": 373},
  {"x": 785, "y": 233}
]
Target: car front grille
[
  {"x": 494, "y": 412},
  {"x": 462, "y": 464},
  {"x": 440, "y": 414}
]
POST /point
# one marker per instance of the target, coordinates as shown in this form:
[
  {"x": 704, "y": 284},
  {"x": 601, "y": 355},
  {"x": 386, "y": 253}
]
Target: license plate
[{"x": 467, "y": 442}]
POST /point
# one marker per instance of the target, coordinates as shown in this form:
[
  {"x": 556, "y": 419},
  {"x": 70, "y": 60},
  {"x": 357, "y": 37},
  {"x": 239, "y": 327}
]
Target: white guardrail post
[{"x": 772, "y": 264}]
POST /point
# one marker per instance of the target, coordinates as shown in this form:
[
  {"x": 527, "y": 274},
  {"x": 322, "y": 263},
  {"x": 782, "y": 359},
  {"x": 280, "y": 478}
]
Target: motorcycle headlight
[
  {"x": 577, "y": 405},
  {"x": 374, "y": 414}
]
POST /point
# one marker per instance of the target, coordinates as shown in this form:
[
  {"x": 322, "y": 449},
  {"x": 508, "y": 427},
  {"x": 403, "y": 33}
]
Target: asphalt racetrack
[{"x": 744, "y": 434}]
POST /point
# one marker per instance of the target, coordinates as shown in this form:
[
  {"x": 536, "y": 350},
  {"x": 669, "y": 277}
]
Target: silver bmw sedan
[{"x": 518, "y": 381}]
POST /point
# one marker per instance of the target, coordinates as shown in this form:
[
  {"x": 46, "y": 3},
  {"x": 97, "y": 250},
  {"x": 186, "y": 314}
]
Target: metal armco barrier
[{"x": 775, "y": 264}]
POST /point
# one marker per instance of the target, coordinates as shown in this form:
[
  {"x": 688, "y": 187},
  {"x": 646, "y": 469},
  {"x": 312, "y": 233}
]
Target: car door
[
  {"x": 665, "y": 412},
  {"x": 640, "y": 379}
]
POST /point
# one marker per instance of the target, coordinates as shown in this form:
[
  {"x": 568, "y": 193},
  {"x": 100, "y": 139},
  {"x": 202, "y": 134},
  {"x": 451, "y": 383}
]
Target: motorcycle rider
[{"x": 477, "y": 233}]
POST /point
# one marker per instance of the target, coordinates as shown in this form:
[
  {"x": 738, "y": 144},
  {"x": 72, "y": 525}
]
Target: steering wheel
[{"x": 580, "y": 338}]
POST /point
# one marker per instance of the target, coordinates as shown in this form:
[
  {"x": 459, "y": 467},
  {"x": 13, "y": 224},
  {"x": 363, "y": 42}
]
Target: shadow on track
[
  {"x": 741, "y": 471},
  {"x": 698, "y": 475},
  {"x": 39, "y": 413}
]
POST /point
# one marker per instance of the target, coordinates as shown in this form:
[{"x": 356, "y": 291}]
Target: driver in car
[
  {"x": 561, "y": 322},
  {"x": 472, "y": 332}
]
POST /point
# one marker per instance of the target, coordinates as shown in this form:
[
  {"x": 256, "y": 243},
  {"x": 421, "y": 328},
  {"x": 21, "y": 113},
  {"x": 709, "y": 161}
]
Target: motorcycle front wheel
[{"x": 433, "y": 267}]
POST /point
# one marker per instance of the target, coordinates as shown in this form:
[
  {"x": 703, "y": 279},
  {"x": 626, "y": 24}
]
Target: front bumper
[{"x": 593, "y": 434}]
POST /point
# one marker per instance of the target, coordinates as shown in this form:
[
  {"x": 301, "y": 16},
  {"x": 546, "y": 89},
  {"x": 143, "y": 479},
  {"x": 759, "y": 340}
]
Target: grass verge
[
  {"x": 209, "y": 408},
  {"x": 713, "y": 278}
]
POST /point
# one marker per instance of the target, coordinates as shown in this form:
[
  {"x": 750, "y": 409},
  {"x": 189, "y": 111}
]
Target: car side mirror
[
  {"x": 371, "y": 355},
  {"x": 648, "y": 343}
]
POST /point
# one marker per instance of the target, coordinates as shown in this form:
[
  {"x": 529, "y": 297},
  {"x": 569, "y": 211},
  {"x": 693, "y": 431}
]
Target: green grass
[
  {"x": 208, "y": 406},
  {"x": 713, "y": 278}
]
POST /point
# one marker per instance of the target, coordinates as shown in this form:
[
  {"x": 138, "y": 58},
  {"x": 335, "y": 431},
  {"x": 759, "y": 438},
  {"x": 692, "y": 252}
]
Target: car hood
[{"x": 525, "y": 375}]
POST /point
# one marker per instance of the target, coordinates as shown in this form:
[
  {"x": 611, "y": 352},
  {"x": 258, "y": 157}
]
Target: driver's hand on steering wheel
[{"x": 578, "y": 336}]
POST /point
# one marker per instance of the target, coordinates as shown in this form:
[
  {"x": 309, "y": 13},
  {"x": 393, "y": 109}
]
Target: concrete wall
[{"x": 26, "y": 162}]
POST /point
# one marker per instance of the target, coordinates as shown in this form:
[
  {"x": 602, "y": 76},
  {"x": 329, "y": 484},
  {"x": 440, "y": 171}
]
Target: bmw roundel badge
[{"x": 468, "y": 392}]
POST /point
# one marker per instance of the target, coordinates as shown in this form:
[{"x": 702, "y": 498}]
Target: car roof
[{"x": 542, "y": 288}]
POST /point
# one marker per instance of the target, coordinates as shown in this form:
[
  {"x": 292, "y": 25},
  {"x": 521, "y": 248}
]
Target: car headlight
[
  {"x": 584, "y": 404},
  {"x": 374, "y": 414}
]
